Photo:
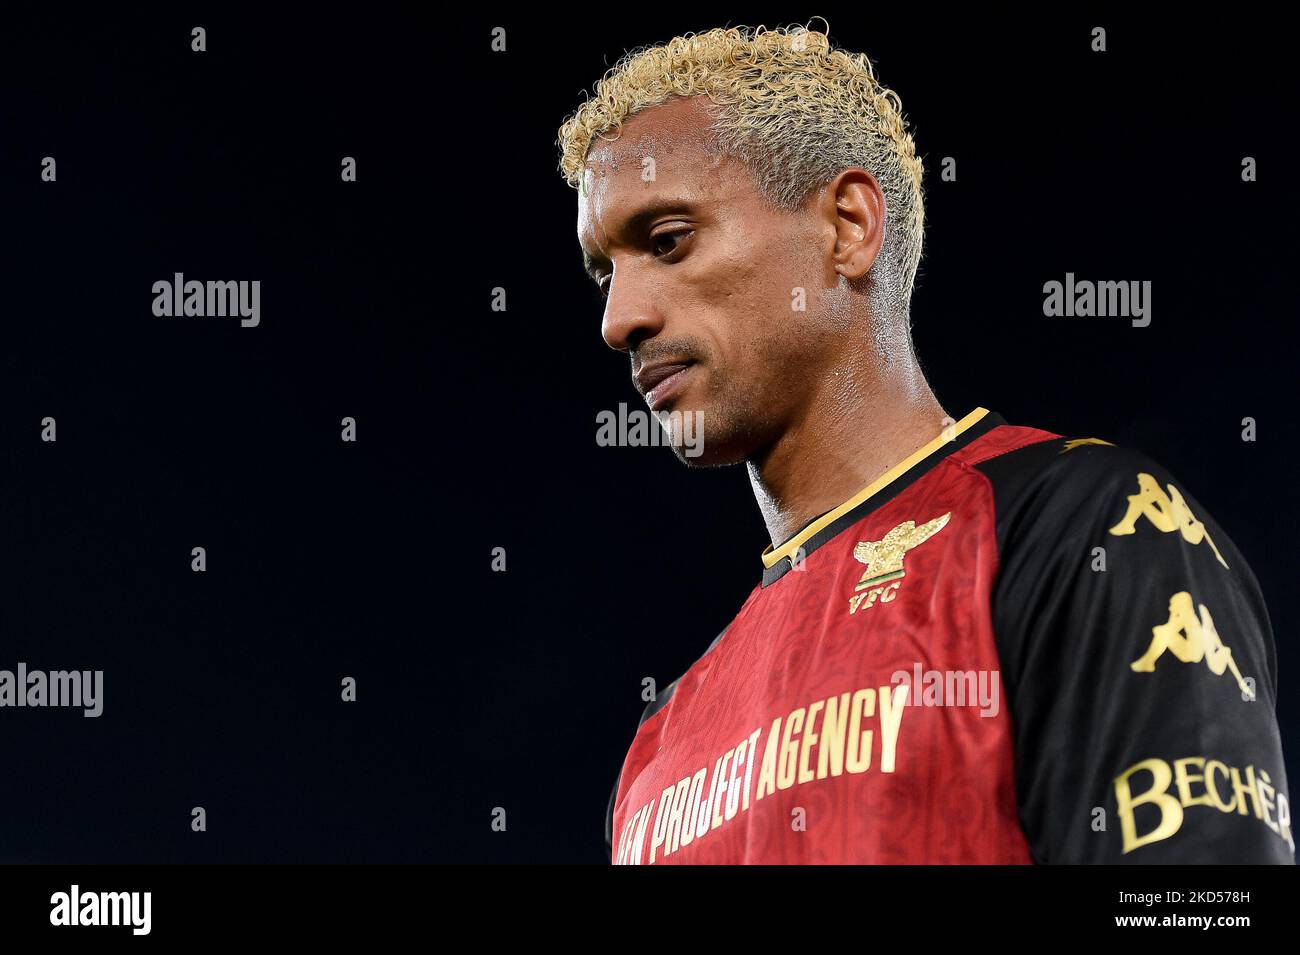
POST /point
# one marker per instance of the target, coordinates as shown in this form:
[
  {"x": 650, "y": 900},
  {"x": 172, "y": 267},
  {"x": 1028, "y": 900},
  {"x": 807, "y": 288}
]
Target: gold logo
[
  {"x": 1190, "y": 640},
  {"x": 884, "y": 560},
  {"x": 1167, "y": 512},
  {"x": 1226, "y": 788},
  {"x": 1080, "y": 442}
]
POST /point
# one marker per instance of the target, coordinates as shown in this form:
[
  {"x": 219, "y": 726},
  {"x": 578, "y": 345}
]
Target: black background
[{"x": 477, "y": 428}]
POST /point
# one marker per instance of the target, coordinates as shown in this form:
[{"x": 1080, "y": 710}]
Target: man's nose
[{"x": 631, "y": 315}]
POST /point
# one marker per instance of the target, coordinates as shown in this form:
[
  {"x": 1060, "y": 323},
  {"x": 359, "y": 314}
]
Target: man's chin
[
  {"x": 694, "y": 458},
  {"x": 686, "y": 430}
]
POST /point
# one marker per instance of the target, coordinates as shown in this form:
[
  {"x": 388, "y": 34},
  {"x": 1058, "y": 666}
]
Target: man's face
[{"x": 702, "y": 277}]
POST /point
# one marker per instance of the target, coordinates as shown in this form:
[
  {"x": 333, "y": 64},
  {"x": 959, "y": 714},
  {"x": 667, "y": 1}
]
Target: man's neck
[{"x": 852, "y": 434}]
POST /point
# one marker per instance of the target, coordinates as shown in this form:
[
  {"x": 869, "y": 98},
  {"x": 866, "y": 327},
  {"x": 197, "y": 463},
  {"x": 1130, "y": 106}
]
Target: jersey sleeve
[{"x": 1139, "y": 666}]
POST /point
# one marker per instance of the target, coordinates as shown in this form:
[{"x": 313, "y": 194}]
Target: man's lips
[{"x": 659, "y": 381}]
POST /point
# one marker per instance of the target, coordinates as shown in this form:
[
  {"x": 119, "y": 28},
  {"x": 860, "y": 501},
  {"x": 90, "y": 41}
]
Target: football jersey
[{"x": 1012, "y": 647}]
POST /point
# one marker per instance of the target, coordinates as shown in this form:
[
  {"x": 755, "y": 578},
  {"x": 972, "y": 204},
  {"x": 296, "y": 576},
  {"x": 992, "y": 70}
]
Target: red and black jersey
[{"x": 1013, "y": 647}]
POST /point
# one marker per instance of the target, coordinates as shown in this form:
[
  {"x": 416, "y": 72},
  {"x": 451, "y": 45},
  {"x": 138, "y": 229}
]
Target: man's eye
[
  {"x": 666, "y": 243},
  {"x": 603, "y": 283}
]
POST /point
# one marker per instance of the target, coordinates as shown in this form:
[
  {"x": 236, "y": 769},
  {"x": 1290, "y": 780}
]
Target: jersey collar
[{"x": 778, "y": 561}]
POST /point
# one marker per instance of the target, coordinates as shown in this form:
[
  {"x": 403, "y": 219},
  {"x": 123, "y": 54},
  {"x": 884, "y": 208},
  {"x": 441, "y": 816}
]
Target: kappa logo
[
  {"x": 1191, "y": 640},
  {"x": 884, "y": 560},
  {"x": 1080, "y": 442},
  {"x": 1166, "y": 512}
]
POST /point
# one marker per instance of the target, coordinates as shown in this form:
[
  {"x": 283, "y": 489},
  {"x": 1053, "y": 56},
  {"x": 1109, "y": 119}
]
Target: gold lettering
[
  {"x": 687, "y": 834},
  {"x": 891, "y": 717},
  {"x": 749, "y": 767},
  {"x": 789, "y": 750},
  {"x": 721, "y": 783},
  {"x": 1247, "y": 789},
  {"x": 624, "y": 843},
  {"x": 1185, "y": 779},
  {"x": 767, "y": 774},
  {"x": 830, "y": 755},
  {"x": 859, "y": 755},
  {"x": 885, "y": 593},
  {"x": 691, "y": 815},
  {"x": 733, "y": 791},
  {"x": 663, "y": 820},
  {"x": 709, "y": 809},
  {"x": 1249, "y": 784},
  {"x": 639, "y": 838},
  {"x": 1284, "y": 820},
  {"x": 806, "y": 775},
  {"x": 1265, "y": 789},
  {"x": 1212, "y": 788},
  {"x": 1171, "y": 813}
]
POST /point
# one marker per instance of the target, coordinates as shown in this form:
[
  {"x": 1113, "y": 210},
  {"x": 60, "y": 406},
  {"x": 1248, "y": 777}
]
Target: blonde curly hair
[{"x": 797, "y": 110}]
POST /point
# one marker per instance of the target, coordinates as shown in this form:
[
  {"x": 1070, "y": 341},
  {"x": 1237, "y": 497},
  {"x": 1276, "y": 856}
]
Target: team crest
[{"x": 884, "y": 560}]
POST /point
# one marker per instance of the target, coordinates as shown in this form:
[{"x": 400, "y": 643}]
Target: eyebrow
[{"x": 636, "y": 223}]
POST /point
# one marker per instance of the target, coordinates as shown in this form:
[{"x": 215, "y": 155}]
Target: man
[{"x": 973, "y": 642}]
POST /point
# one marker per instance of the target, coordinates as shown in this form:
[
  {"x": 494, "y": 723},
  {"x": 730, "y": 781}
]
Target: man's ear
[{"x": 854, "y": 207}]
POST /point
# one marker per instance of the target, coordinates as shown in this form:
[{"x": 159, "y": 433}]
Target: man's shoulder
[
  {"x": 1060, "y": 476},
  {"x": 1012, "y": 452},
  {"x": 1060, "y": 494},
  {"x": 1051, "y": 494}
]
